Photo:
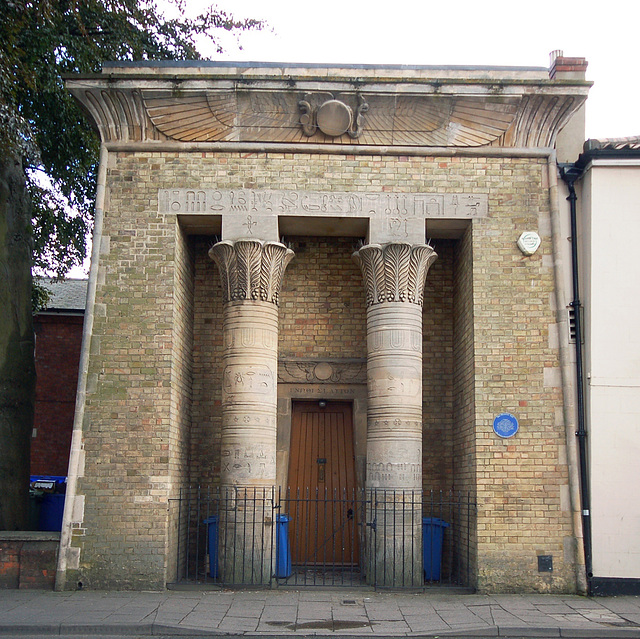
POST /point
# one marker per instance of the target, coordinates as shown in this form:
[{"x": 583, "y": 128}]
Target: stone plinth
[
  {"x": 251, "y": 273},
  {"x": 394, "y": 276}
]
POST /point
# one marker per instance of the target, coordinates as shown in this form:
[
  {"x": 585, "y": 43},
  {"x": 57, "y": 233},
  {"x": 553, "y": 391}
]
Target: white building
[{"x": 608, "y": 216}]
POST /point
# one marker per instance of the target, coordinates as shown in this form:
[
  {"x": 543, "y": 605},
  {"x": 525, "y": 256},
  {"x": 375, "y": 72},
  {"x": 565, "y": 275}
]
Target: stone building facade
[{"x": 271, "y": 239}]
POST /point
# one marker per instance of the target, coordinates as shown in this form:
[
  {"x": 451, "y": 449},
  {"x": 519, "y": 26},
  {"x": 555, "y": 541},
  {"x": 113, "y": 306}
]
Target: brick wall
[
  {"x": 485, "y": 325},
  {"x": 168, "y": 487},
  {"x": 133, "y": 442},
  {"x": 58, "y": 342},
  {"x": 437, "y": 374},
  {"x": 519, "y": 480},
  {"x": 322, "y": 308},
  {"x": 464, "y": 410},
  {"x": 207, "y": 369},
  {"x": 28, "y": 560}
]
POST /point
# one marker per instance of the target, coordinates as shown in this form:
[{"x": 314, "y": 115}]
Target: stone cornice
[
  {"x": 251, "y": 269},
  {"x": 407, "y": 110},
  {"x": 395, "y": 272}
]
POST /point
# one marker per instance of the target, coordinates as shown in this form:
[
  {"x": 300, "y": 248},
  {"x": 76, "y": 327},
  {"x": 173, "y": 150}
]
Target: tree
[{"x": 48, "y": 168}]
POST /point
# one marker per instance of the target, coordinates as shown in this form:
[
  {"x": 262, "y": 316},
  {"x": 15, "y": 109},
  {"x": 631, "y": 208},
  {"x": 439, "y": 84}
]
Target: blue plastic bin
[
  {"x": 432, "y": 536},
  {"x": 212, "y": 523},
  {"x": 47, "y": 492},
  {"x": 283, "y": 548},
  {"x": 51, "y": 510}
]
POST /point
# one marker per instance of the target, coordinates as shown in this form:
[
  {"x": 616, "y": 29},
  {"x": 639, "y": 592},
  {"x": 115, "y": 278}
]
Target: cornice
[{"x": 408, "y": 111}]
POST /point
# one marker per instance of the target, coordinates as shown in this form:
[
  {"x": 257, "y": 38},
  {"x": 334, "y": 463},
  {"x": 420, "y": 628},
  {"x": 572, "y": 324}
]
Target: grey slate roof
[
  {"x": 617, "y": 144},
  {"x": 67, "y": 295}
]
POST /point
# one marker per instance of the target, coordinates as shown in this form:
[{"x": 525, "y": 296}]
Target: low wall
[{"x": 28, "y": 559}]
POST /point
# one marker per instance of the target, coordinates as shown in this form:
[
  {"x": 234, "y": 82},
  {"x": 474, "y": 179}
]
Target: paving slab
[{"x": 315, "y": 613}]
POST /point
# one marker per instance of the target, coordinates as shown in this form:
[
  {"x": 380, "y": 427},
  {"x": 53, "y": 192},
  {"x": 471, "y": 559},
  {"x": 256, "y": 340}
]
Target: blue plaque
[{"x": 505, "y": 425}]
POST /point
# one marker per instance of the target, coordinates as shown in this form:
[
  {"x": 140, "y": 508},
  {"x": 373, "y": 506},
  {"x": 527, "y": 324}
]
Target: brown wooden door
[{"x": 322, "y": 485}]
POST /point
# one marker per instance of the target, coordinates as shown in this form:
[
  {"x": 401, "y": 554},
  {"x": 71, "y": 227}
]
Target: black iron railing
[{"x": 381, "y": 538}]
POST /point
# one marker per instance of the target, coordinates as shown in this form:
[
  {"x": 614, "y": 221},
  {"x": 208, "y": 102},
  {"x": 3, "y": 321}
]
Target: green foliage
[
  {"x": 40, "y": 296},
  {"x": 40, "y": 43}
]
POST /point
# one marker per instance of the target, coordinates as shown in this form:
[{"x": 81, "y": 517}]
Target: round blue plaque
[{"x": 505, "y": 425}]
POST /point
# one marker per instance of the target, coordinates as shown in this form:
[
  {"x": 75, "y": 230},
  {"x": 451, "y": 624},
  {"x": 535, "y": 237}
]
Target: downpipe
[{"x": 570, "y": 174}]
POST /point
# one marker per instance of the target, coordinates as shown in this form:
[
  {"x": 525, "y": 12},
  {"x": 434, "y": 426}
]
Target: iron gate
[{"x": 314, "y": 538}]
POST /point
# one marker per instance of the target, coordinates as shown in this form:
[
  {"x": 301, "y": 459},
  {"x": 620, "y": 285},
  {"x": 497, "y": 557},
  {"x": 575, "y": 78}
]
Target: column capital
[
  {"x": 395, "y": 272},
  {"x": 251, "y": 269}
]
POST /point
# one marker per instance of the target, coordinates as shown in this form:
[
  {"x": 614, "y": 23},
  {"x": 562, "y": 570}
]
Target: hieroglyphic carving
[
  {"x": 392, "y": 206},
  {"x": 395, "y": 272},
  {"x": 251, "y": 379},
  {"x": 400, "y": 474},
  {"x": 248, "y": 461},
  {"x": 400, "y": 382},
  {"x": 251, "y": 269}
]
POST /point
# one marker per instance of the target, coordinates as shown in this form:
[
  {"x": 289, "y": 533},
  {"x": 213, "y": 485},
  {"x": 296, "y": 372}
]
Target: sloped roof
[
  {"x": 614, "y": 144},
  {"x": 66, "y": 295}
]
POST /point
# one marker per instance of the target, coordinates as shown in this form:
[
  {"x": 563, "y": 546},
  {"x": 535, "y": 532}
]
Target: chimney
[{"x": 566, "y": 68}]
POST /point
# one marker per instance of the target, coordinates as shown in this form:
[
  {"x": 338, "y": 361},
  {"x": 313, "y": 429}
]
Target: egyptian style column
[
  {"x": 394, "y": 276},
  {"x": 251, "y": 272}
]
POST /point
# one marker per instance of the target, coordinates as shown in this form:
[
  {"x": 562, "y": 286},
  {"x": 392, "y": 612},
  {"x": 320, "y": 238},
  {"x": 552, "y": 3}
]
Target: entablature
[{"x": 373, "y": 106}]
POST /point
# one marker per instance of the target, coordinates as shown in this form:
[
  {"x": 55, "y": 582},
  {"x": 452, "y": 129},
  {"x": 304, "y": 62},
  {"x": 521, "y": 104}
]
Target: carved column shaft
[
  {"x": 251, "y": 272},
  {"x": 394, "y": 276},
  {"x": 249, "y": 394},
  {"x": 394, "y": 374}
]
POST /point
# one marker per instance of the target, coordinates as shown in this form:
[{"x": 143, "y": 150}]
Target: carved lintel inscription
[
  {"x": 321, "y": 391},
  {"x": 249, "y": 203}
]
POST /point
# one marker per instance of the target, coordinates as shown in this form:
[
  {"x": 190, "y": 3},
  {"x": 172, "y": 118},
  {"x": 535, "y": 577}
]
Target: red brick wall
[
  {"x": 28, "y": 560},
  {"x": 58, "y": 341}
]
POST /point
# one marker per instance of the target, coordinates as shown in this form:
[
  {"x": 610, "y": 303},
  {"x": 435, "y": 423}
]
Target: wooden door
[{"x": 322, "y": 485}]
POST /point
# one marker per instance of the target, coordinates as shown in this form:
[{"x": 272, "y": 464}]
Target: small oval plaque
[{"x": 505, "y": 425}]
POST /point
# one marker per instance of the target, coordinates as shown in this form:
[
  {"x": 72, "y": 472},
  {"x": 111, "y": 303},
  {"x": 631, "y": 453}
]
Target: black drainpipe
[{"x": 569, "y": 174}]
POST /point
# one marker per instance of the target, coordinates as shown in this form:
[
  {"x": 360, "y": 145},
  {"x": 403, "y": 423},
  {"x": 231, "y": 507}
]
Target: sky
[{"x": 425, "y": 32}]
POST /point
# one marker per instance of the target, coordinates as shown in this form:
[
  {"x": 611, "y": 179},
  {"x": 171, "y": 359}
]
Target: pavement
[{"x": 305, "y": 613}]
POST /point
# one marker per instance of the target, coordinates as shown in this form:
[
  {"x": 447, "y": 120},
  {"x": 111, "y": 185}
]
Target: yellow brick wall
[{"x": 486, "y": 315}]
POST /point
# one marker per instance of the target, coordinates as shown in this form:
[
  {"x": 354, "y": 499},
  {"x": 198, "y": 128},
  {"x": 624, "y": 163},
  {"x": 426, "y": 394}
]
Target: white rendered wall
[{"x": 611, "y": 284}]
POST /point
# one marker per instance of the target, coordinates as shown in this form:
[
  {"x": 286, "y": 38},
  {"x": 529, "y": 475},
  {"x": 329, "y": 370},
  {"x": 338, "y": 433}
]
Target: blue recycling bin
[
  {"x": 51, "y": 511},
  {"x": 212, "y": 534},
  {"x": 48, "y": 498},
  {"x": 283, "y": 548},
  {"x": 432, "y": 536}
]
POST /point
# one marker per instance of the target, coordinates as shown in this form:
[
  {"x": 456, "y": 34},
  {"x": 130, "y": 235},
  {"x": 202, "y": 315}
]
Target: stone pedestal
[
  {"x": 251, "y": 272},
  {"x": 394, "y": 276}
]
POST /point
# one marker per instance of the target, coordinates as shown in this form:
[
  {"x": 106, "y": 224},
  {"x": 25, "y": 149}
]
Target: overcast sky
[{"x": 494, "y": 32}]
